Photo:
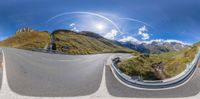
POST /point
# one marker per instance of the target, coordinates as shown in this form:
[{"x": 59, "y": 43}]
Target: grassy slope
[
  {"x": 173, "y": 63},
  {"x": 82, "y": 44},
  {"x": 139, "y": 66},
  {"x": 177, "y": 63},
  {"x": 76, "y": 43},
  {"x": 27, "y": 40},
  {"x": 198, "y": 44}
]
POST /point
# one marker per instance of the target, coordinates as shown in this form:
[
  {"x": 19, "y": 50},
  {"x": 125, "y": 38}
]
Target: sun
[{"x": 100, "y": 26}]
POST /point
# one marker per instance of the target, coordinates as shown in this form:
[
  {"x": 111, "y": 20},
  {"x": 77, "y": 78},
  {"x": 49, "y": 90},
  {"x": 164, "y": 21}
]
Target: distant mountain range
[
  {"x": 85, "y": 42},
  {"x": 155, "y": 47}
]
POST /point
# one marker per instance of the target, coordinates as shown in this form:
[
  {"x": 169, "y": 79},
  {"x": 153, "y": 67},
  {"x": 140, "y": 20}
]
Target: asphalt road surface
[
  {"x": 40, "y": 74},
  {"x": 50, "y": 75},
  {"x": 1, "y": 69},
  {"x": 116, "y": 89}
]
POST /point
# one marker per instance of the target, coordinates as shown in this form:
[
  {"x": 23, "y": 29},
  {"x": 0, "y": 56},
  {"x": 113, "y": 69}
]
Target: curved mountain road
[
  {"x": 36, "y": 74},
  {"x": 51, "y": 75}
]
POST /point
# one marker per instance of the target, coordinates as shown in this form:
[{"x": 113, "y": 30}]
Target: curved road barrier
[
  {"x": 138, "y": 83},
  {"x": 93, "y": 72}
]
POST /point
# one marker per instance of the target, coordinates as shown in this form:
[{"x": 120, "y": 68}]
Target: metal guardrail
[{"x": 158, "y": 84}]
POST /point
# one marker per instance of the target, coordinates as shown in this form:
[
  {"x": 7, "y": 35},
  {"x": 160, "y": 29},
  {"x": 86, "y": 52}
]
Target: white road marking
[{"x": 102, "y": 93}]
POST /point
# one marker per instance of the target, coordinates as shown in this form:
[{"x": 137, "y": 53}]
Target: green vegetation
[
  {"x": 140, "y": 66},
  {"x": 198, "y": 44},
  {"x": 158, "y": 66},
  {"x": 27, "y": 40},
  {"x": 86, "y": 43},
  {"x": 176, "y": 64},
  {"x": 66, "y": 41}
]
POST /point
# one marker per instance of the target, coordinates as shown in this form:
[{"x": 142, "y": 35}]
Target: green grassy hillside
[
  {"x": 170, "y": 64},
  {"x": 66, "y": 41},
  {"x": 27, "y": 40},
  {"x": 85, "y": 43},
  {"x": 198, "y": 44},
  {"x": 177, "y": 63}
]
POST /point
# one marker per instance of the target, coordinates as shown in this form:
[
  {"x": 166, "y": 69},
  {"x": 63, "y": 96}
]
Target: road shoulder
[{"x": 1, "y": 67}]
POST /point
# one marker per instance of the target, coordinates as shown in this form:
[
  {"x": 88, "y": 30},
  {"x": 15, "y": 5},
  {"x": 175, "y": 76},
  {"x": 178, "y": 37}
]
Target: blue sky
[{"x": 141, "y": 20}]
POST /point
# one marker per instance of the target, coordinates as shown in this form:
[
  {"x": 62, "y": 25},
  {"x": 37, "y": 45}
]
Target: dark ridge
[
  {"x": 91, "y": 34},
  {"x": 62, "y": 30}
]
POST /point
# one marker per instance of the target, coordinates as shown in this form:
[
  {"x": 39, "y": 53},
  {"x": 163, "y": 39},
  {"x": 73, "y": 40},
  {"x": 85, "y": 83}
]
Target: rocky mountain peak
[
  {"x": 25, "y": 29},
  {"x": 156, "y": 46}
]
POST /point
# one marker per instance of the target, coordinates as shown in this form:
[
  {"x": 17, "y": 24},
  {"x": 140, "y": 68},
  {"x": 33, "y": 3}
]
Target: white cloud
[
  {"x": 111, "y": 35},
  {"x": 73, "y": 27},
  {"x": 144, "y": 33},
  {"x": 129, "y": 39},
  {"x": 160, "y": 41},
  {"x": 72, "y": 24}
]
